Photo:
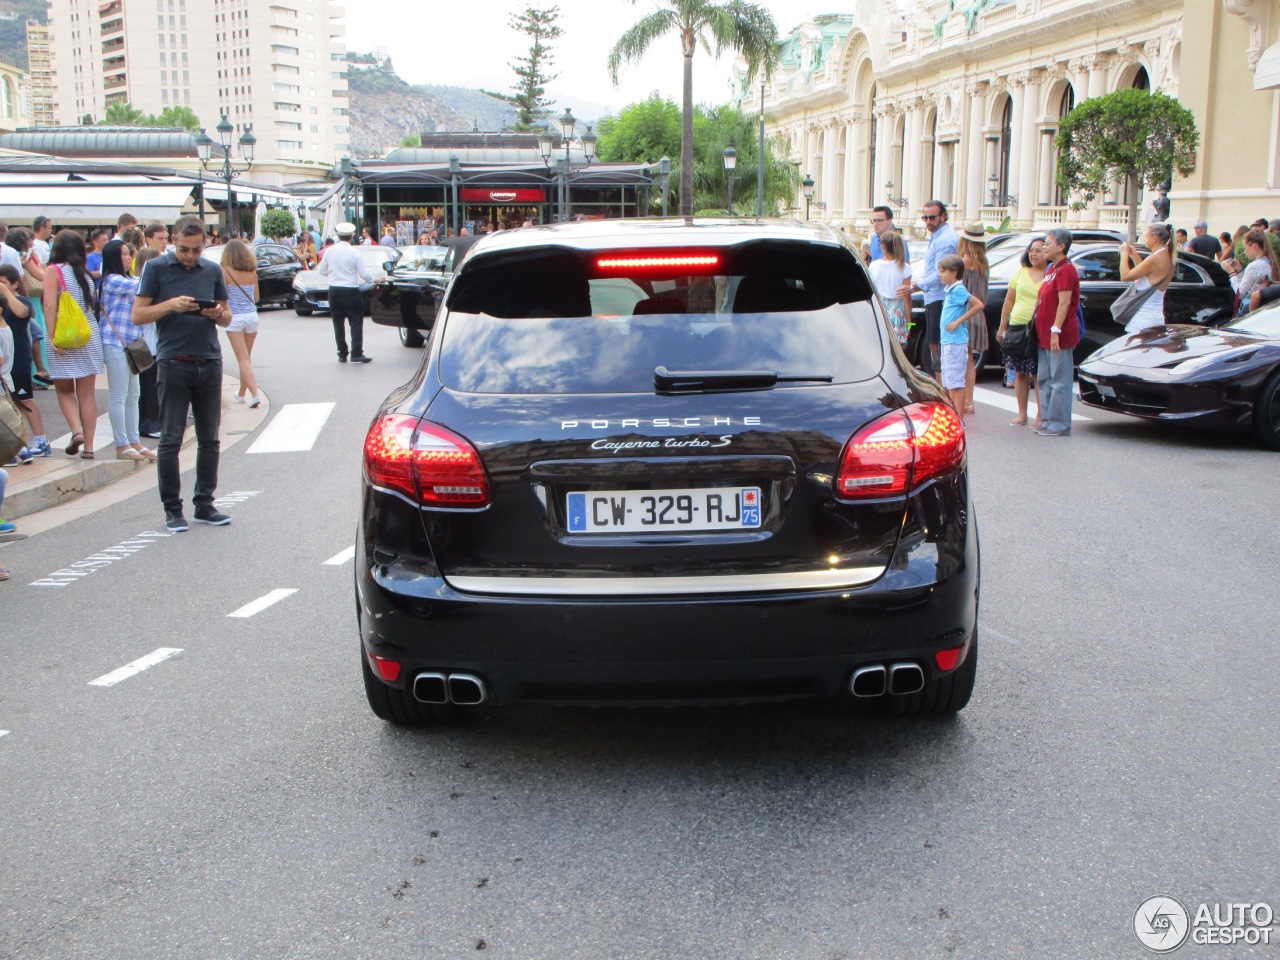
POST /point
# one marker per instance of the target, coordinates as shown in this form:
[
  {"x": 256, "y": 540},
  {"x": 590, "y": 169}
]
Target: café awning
[{"x": 79, "y": 204}]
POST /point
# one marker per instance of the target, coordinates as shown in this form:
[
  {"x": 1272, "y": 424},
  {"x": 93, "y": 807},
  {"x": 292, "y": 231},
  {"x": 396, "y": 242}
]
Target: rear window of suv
[{"x": 550, "y": 320}]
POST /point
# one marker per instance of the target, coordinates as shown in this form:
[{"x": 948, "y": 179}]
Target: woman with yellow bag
[{"x": 76, "y": 360}]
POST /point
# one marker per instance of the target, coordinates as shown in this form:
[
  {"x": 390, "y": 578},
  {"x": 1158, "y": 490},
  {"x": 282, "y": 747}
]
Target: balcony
[
  {"x": 281, "y": 50},
  {"x": 115, "y": 83},
  {"x": 110, "y": 46},
  {"x": 111, "y": 8},
  {"x": 113, "y": 26},
  {"x": 337, "y": 30},
  {"x": 113, "y": 64}
]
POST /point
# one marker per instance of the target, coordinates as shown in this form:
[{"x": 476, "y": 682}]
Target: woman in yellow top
[{"x": 1019, "y": 310}]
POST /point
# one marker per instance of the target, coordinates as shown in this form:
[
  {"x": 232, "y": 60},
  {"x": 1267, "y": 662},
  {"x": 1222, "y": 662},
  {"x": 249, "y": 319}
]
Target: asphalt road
[{"x": 237, "y": 799}]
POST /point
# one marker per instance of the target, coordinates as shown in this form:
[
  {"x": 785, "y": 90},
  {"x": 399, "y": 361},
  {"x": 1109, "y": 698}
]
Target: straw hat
[{"x": 974, "y": 231}]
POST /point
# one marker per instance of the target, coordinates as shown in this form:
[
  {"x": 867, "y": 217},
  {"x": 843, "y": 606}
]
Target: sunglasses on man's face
[{"x": 931, "y": 216}]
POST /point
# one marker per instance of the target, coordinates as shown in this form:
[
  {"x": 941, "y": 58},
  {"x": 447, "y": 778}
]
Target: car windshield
[
  {"x": 1264, "y": 322},
  {"x": 375, "y": 257},
  {"x": 421, "y": 258},
  {"x": 214, "y": 253},
  {"x": 563, "y": 322}
]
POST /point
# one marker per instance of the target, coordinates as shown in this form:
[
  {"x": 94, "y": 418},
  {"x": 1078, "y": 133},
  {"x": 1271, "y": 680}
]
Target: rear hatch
[{"x": 645, "y": 427}]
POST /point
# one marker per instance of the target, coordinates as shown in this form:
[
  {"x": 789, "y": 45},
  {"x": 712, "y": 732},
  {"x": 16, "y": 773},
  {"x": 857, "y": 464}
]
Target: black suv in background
[{"x": 665, "y": 462}]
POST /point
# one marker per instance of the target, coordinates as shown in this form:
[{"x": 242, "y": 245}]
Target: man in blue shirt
[
  {"x": 882, "y": 223},
  {"x": 942, "y": 242}
]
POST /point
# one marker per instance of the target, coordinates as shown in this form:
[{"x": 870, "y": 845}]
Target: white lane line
[
  {"x": 1007, "y": 401},
  {"x": 295, "y": 428},
  {"x": 4, "y": 733},
  {"x": 129, "y": 669},
  {"x": 992, "y": 631},
  {"x": 338, "y": 559},
  {"x": 275, "y": 596}
]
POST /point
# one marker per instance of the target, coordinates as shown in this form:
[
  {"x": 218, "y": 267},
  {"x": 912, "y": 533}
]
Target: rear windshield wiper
[{"x": 693, "y": 380}]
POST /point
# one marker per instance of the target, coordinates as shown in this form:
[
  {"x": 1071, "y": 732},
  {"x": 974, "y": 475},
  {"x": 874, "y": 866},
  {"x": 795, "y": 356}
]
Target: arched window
[
  {"x": 6, "y": 98},
  {"x": 1141, "y": 79},
  {"x": 1006, "y": 146},
  {"x": 930, "y": 159}
]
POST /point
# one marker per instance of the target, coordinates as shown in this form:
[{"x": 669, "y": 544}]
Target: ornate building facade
[{"x": 962, "y": 103}]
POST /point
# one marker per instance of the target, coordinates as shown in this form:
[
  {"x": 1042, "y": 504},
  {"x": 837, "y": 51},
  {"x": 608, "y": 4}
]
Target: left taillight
[
  {"x": 901, "y": 450},
  {"x": 424, "y": 462}
]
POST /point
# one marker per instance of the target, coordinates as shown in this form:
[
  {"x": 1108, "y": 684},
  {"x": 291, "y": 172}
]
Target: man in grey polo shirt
[{"x": 184, "y": 295}]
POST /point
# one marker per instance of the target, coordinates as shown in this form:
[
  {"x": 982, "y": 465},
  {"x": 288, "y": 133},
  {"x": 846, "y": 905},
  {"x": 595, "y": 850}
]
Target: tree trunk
[
  {"x": 686, "y": 140},
  {"x": 1133, "y": 207}
]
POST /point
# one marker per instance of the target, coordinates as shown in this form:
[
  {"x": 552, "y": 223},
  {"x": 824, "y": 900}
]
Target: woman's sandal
[
  {"x": 4, "y": 572},
  {"x": 146, "y": 453},
  {"x": 77, "y": 441},
  {"x": 87, "y": 455},
  {"x": 128, "y": 453},
  {"x": 1018, "y": 422}
]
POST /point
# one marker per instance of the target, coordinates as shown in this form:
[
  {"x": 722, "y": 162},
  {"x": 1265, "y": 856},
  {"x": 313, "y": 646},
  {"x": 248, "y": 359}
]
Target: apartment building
[
  {"x": 40, "y": 70},
  {"x": 275, "y": 66}
]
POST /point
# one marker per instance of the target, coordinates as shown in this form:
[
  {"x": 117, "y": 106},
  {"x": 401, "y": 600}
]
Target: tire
[
  {"x": 302, "y": 311},
  {"x": 946, "y": 695},
  {"x": 411, "y": 338},
  {"x": 1266, "y": 413},
  {"x": 394, "y": 705}
]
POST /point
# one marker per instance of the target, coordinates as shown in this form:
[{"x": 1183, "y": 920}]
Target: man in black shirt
[
  {"x": 185, "y": 296},
  {"x": 1203, "y": 243}
]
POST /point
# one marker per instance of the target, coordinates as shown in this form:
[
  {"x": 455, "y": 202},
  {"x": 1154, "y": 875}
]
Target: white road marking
[
  {"x": 234, "y": 497},
  {"x": 338, "y": 559},
  {"x": 275, "y": 596},
  {"x": 295, "y": 428},
  {"x": 129, "y": 669},
  {"x": 1007, "y": 401},
  {"x": 992, "y": 631},
  {"x": 95, "y": 562},
  {"x": 4, "y": 733}
]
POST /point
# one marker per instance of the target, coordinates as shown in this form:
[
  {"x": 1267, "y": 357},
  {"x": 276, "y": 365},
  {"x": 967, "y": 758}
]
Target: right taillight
[
  {"x": 424, "y": 462},
  {"x": 900, "y": 450}
]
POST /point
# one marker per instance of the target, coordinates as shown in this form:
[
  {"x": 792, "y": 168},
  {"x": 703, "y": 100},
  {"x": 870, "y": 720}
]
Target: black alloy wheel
[
  {"x": 1266, "y": 413},
  {"x": 411, "y": 338},
  {"x": 300, "y": 310}
]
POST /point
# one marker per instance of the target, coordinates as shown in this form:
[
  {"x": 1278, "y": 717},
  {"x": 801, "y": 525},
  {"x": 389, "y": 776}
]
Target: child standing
[
  {"x": 958, "y": 308},
  {"x": 888, "y": 275}
]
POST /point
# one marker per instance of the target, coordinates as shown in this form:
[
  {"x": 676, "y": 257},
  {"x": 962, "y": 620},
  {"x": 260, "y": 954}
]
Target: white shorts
[
  {"x": 244, "y": 323},
  {"x": 955, "y": 363}
]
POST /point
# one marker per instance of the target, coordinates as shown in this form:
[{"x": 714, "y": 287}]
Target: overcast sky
[{"x": 470, "y": 44}]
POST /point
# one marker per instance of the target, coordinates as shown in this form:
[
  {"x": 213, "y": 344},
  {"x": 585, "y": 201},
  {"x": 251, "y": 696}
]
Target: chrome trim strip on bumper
[{"x": 666, "y": 586}]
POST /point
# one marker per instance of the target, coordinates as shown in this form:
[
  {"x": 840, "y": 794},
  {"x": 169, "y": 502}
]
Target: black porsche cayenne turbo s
[{"x": 665, "y": 462}]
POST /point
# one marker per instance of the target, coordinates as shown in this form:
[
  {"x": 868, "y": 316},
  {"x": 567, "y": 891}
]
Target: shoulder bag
[
  {"x": 136, "y": 352},
  {"x": 13, "y": 428},
  {"x": 72, "y": 328},
  {"x": 1130, "y": 302}
]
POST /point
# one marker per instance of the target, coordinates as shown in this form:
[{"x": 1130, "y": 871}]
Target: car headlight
[{"x": 1209, "y": 359}]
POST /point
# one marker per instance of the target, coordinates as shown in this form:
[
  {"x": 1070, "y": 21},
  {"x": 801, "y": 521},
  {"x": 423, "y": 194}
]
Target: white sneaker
[
  {"x": 255, "y": 402},
  {"x": 239, "y": 398}
]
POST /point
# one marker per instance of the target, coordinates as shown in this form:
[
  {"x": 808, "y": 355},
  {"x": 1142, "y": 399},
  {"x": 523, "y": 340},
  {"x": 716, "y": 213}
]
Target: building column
[
  {"x": 1097, "y": 66},
  {"x": 912, "y": 157},
  {"x": 854, "y": 170},
  {"x": 975, "y": 145},
  {"x": 1047, "y": 166},
  {"x": 1017, "y": 98},
  {"x": 1027, "y": 130},
  {"x": 884, "y": 157}
]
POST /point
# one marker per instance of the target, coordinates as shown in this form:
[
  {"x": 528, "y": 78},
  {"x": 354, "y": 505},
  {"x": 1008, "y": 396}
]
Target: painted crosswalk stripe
[
  {"x": 1010, "y": 403},
  {"x": 131, "y": 669},
  {"x": 295, "y": 428},
  {"x": 338, "y": 559},
  {"x": 274, "y": 597}
]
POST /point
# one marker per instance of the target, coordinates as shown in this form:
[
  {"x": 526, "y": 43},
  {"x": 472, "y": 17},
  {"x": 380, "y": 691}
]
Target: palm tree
[
  {"x": 739, "y": 25},
  {"x": 119, "y": 114}
]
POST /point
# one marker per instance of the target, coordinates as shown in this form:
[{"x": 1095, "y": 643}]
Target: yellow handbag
[{"x": 72, "y": 329}]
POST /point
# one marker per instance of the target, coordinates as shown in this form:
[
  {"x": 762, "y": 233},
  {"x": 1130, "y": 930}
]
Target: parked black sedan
[
  {"x": 1226, "y": 379},
  {"x": 732, "y": 489},
  {"x": 1200, "y": 294},
  {"x": 409, "y": 297},
  {"x": 277, "y": 266}
]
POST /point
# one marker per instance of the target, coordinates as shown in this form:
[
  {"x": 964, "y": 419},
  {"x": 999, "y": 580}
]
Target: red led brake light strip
[{"x": 676, "y": 261}]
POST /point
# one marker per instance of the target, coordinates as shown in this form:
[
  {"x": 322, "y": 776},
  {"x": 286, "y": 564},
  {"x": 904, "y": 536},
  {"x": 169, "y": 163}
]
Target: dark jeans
[
  {"x": 198, "y": 387},
  {"x": 148, "y": 399},
  {"x": 346, "y": 304},
  {"x": 933, "y": 334}
]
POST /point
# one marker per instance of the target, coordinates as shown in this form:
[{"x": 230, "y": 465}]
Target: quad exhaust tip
[
  {"x": 899, "y": 679},
  {"x": 464, "y": 689}
]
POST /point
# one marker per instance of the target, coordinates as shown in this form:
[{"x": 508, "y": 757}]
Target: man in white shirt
[
  {"x": 42, "y": 229},
  {"x": 345, "y": 270}
]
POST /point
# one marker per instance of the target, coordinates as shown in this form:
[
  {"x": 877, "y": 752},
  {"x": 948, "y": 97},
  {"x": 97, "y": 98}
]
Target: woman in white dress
[
  {"x": 75, "y": 372},
  {"x": 1157, "y": 268},
  {"x": 888, "y": 274}
]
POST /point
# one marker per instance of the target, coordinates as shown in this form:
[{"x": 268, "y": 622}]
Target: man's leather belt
[{"x": 186, "y": 358}]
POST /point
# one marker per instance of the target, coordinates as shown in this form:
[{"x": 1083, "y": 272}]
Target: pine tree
[{"x": 529, "y": 99}]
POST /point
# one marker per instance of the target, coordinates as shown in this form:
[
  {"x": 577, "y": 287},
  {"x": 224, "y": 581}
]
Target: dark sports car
[
  {"x": 1227, "y": 379},
  {"x": 665, "y": 462},
  {"x": 1200, "y": 294}
]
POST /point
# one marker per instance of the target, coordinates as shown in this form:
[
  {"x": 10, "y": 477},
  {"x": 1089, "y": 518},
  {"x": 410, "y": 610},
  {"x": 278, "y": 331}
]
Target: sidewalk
[{"x": 50, "y": 481}]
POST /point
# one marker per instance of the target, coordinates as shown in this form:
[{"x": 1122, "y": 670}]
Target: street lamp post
[
  {"x": 455, "y": 170},
  {"x": 204, "y": 150},
  {"x": 807, "y": 184},
  {"x": 730, "y": 164},
  {"x": 564, "y": 166},
  {"x": 664, "y": 170}
]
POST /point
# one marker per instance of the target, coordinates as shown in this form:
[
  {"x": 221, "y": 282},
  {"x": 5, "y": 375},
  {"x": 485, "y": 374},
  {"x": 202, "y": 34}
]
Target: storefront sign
[{"x": 475, "y": 195}]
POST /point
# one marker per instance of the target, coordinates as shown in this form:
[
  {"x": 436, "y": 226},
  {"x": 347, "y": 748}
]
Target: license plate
[
  {"x": 1105, "y": 390},
  {"x": 644, "y": 511},
  {"x": 322, "y": 304}
]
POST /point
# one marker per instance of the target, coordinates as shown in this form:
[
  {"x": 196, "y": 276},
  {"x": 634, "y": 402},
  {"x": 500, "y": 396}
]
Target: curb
[{"x": 60, "y": 481}]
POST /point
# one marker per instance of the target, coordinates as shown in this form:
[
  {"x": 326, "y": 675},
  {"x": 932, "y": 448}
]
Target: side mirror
[
  {"x": 263, "y": 263},
  {"x": 389, "y": 265}
]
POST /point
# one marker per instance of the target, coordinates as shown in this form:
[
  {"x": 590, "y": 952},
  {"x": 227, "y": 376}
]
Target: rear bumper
[{"x": 679, "y": 649}]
